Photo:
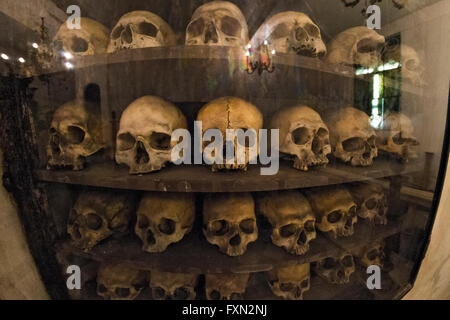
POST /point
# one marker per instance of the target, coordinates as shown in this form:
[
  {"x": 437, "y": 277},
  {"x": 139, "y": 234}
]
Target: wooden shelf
[{"x": 198, "y": 178}]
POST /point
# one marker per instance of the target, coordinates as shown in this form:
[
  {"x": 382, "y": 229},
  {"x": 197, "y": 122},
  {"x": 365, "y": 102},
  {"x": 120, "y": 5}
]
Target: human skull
[
  {"x": 290, "y": 282},
  {"x": 304, "y": 135},
  {"x": 353, "y": 139},
  {"x": 92, "y": 38},
  {"x": 335, "y": 270},
  {"x": 144, "y": 139},
  {"x": 231, "y": 113},
  {"x": 75, "y": 133},
  {"x": 396, "y": 136},
  {"x": 335, "y": 210},
  {"x": 229, "y": 221},
  {"x": 292, "y": 220},
  {"x": 141, "y": 29},
  {"x": 356, "y": 46},
  {"x": 226, "y": 286},
  {"x": 412, "y": 68},
  {"x": 173, "y": 286},
  {"x": 97, "y": 215},
  {"x": 371, "y": 201},
  {"x": 291, "y": 32},
  {"x": 372, "y": 255},
  {"x": 163, "y": 219},
  {"x": 119, "y": 281},
  {"x": 217, "y": 23}
]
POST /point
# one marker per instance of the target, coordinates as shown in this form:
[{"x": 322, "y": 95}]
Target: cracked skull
[
  {"x": 173, "y": 286},
  {"x": 290, "y": 283},
  {"x": 119, "y": 281},
  {"x": 163, "y": 219},
  {"x": 144, "y": 139},
  {"x": 412, "y": 68},
  {"x": 371, "y": 201},
  {"x": 231, "y": 114},
  {"x": 291, "y": 32},
  {"x": 335, "y": 270},
  {"x": 334, "y": 209},
  {"x": 217, "y": 23},
  {"x": 292, "y": 220},
  {"x": 92, "y": 38},
  {"x": 75, "y": 134},
  {"x": 97, "y": 215},
  {"x": 226, "y": 286},
  {"x": 356, "y": 46},
  {"x": 303, "y": 135},
  {"x": 140, "y": 29},
  {"x": 229, "y": 221},
  {"x": 353, "y": 139},
  {"x": 396, "y": 136},
  {"x": 372, "y": 255}
]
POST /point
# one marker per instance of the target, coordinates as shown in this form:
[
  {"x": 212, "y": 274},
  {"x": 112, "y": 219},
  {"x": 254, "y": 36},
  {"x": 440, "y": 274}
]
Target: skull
[
  {"x": 217, "y": 23},
  {"x": 119, "y": 281},
  {"x": 335, "y": 210},
  {"x": 371, "y": 200},
  {"x": 372, "y": 255},
  {"x": 292, "y": 220},
  {"x": 291, "y": 32},
  {"x": 99, "y": 215},
  {"x": 144, "y": 139},
  {"x": 232, "y": 113},
  {"x": 75, "y": 133},
  {"x": 412, "y": 68},
  {"x": 356, "y": 46},
  {"x": 395, "y": 136},
  {"x": 91, "y": 38},
  {"x": 173, "y": 286},
  {"x": 352, "y": 138},
  {"x": 335, "y": 270},
  {"x": 304, "y": 135},
  {"x": 226, "y": 286},
  {"x": 163, "y": 219},
  {"x": 229, "y": 221},
  {"x": 140, "y": 29},
  {"x": 290, "y": 282}
]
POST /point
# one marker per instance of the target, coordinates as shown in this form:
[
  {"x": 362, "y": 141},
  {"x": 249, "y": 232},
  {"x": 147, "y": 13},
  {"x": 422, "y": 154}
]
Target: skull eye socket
[
  {"x": 281, "y": 30},
  {"x": 287, "y": 286},
  {"x": 181, "y": 293},
  {"x": 143, "y": 222},
  {"x": 398, "y": 139},
  {"x": 126, "y": 141},
  {"x": 288, "y": 230},
  {"x": 158, "y": 293},
  {"x": 196, "y": 27},
  {"x": 301, "y": 136},
  {"x": 412, "y": 65},
  {"x": 304, "y": 284},
  {"x": 167, "y": 226},
  {"x": 231, "y": 26},
  {"x": 79, "y": 45},
  {"x": 214, "y": 295},
  {"x": 75, "y": 135},
  {"x": 371, "y": 204},
  {"x": 334, "y": 216},
  {"x": 101, "y": 288},
  {"x": 236, "y": 296},
  {"x": 52, "y": 131},
  {"x": 93, "y": 221},
  {"x": 160, "y": 141},
  {"x": 117, "y": 32},
  {"x": 219, "y": 227},
  {"x": 353, "y": 144},
  {"x": 123, "y": 292},
  {"x": 347, "y": 261},
  {"x": 247, "y": 226},
  {"x": 147, "y": 29},
  {"x": 367, "y": 46},
  {"x": 372, "y": 254},
  {"x": 329, "y": 263},
  {"x": 140, "y": 285},
  {"x": 312, "y": 30},
  {"x": 309, "y": 226}
]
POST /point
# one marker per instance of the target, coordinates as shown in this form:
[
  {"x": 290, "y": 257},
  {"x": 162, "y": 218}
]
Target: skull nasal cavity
[
  {"x": 150, "y": 237},
  {"x": 141, "y": 154},
  {"x": 301, "y": 136},
  {"x": 211, "y": 34},
  {"x": 302, "y": 238},
  {"x": 167, "y": 226},
  {"x": 235, "y": 241},
  {"x": 79, "y": 45},
  {"x": 300, "y": 34},
  {"x": 353, "y": 144},
  {"x": 127, "y": 35}
]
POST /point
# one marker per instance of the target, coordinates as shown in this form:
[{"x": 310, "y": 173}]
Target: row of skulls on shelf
[
  {"x": 221, "y": 23},
  {"x": 229, "y": 219},
  {"x": 144, "y": 140},
  {"x": 122, "y": 281}
]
